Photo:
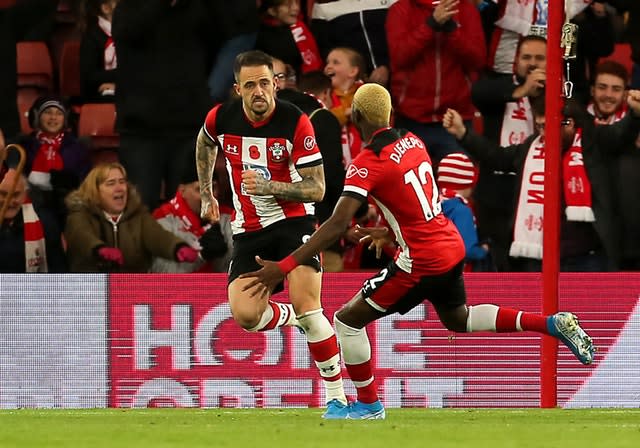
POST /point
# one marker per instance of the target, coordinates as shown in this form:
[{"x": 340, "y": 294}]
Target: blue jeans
[
  {"x": 221, "y": 76},
  {"x": 439, "y": 142}
]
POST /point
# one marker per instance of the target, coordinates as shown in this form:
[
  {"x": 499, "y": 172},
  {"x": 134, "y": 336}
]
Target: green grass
[{"x": 275, "y": 428}]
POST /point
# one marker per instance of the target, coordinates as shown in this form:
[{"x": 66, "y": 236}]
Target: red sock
[
  {"x": 325, "y": 354},
  {"x": 507, "y": 318},
  {"x": 363, "y": 379},
  {"x": 534, "y": 322}
]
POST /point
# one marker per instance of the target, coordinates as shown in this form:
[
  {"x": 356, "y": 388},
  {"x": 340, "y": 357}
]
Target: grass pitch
[{"x": 276, "y": 428}]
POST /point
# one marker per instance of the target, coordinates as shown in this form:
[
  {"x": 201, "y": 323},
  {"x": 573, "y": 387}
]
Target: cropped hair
[
  {"x": 252, "y": 58},
  {"x": 356, "y": 60},
  {"x": 89, "y": 190},
  {"x": 374, "y": 103},
  {"x": 530, "y": 38},
  {"x": 314, "y": 82},
  {"x": 611, "y": 67}
]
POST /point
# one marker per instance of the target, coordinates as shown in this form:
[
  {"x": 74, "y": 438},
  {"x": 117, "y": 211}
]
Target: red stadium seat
[
  {"x": 34, "y": 65},
  {"x": 69, "y": 72},
  {"x": 97, "y": 124},
  {"x": 622, "y": 54}
]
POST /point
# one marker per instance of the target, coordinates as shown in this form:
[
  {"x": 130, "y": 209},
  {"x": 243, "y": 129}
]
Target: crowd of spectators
[{"x": 166, "y": 63}]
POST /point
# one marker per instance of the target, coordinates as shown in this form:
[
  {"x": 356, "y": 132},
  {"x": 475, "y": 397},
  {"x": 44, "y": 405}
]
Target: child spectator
[
  {"x": 345, "y": 67},
  {"x": 56, "y": 160},
  {"x": 457, "y": 176},
  {"x": 98, "y": 60}
]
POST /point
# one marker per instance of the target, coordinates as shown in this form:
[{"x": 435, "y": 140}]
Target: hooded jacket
[{"x": 138, "y": 235}]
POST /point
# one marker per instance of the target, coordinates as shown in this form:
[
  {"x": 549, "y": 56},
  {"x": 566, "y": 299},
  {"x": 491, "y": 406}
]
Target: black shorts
[
  {"x": 394, "y": 291},
  {"x": 273, "y": 243}
]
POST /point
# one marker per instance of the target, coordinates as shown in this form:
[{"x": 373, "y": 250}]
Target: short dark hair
[
  {"x": 574, "y": 109},
  {"x": 611, "y": 67},
  {"x": 531, "y": 38},
  {"x": 253, "y": 58},
  {"x": 314, "y": 82}
]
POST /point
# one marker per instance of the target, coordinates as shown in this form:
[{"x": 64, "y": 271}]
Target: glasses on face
[
  {"x": 281, "y": 76},
  {"x": 539, "y": 126}
]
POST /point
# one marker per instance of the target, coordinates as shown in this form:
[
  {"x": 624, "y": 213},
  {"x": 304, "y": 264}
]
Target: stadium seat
[
  {"x": 622, "y": 54},
  {"x": 70, "y": 69},
  {"x": 97, "y": 124},
  {"x": 26, "y": 96},
  {"x": 34, "y": 65}
]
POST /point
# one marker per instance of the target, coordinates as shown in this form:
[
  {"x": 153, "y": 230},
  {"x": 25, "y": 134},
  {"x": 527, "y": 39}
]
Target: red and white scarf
[
  {"x": 614, "y": 118},
  {"x": 576, "y": 185},
  {"x": 516, "y": 19},
  {"x": 517, "y": 121},
  {"x": 528, "y": 225},
  {"x": 110, "y": 57},
  {"x": 178, "y": 207},
  {"x": 307, "y": 46},
  {"x": 34, "y": 246},
  {"x": 47, "y": 158}
]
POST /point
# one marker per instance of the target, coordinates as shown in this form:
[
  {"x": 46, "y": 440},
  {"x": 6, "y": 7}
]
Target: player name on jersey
[{"x": 403, "y": 145}]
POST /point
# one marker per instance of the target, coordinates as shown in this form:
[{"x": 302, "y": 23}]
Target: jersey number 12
[{"x": 419, "y": 182}]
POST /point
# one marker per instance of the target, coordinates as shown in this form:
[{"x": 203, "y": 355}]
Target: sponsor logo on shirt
[
  {"x": 231, "y": 149},
  {"x": 354, "y": 170},
  {"x": 309, "y": 142}
]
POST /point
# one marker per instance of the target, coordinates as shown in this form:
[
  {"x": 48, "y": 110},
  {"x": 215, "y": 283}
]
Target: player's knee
[{"x": 247, "y": 321}]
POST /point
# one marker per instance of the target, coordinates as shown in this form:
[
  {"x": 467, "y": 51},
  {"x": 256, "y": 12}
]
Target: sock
[
  {"x": 503, "y": 320},
  {"x": 275, "y": 315},
  {"x": 356, "y": 351},
  {"x": 323, "y": 346}
]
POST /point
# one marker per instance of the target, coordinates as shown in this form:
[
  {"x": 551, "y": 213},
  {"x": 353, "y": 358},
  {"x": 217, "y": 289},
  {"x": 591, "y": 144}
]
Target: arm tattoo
[
  {"x": 206, "y": 152},
  {"x": 309, "y": 189}
]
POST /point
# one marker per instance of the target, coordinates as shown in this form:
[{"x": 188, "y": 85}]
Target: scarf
[
  {"x": 516, "y": 19},
  {"x": 307, "y": 46},
  {"x": 47, "y": 158},
  {"x": 110, "y": 57},
  {"x": 448, "y": 193},
  {"x": 35, "y": 252},
  {"x": 178, "y": 207},
  {"x": 527, "y": 231},
  {"x": 517, "y": 124},
  {"x": 517, "y": 121},
  {"x": 614, "y": 118},
  {"x": 576, "y": 185}
]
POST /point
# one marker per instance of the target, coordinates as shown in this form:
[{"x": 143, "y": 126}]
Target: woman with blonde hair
[{"x": 110, "y": 230}]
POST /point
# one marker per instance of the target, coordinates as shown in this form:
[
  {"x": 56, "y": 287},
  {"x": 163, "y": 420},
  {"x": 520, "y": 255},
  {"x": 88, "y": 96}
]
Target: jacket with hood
[{"x": 137, "y": 234}]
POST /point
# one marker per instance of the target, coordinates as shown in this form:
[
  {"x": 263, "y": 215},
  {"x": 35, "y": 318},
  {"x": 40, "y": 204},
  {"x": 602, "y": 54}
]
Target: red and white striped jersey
[
  {"x": 395, "y": 170},
  {"x": 276, "y": 147}
]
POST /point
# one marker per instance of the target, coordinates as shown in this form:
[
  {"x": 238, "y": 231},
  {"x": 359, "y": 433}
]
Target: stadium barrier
[{"x": 91, "y": 341}]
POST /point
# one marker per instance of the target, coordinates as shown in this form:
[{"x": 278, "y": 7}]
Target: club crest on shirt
[
  {"x": 354, "y": 170},
  {"x": 277, "y": 152},
  {"x": 309, "y": 142}
]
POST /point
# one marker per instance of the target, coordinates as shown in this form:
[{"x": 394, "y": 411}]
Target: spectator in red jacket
[{"x": 434, "y": 51}]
